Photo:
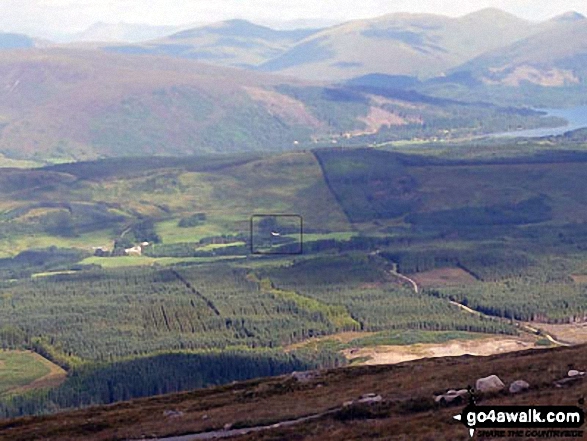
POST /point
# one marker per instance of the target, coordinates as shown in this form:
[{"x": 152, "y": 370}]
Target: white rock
[
  {"x": 575, "y": 373},
  {"x": 451, "y": 396},
  {"x": 370, "y": 398},
  {"x": 518, "y": 386},
  {"x": 489, "y": 384}
]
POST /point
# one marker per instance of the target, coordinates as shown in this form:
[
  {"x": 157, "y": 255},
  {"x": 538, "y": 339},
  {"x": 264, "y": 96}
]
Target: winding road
[{"x": 521, "y": 325}]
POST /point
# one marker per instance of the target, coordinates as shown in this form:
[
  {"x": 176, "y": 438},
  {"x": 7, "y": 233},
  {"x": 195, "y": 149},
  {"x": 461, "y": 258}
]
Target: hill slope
[
  {"x": 78, "y": 104},
  {"x": 552, "y": 57},
  {"x": 549, "y": 63},
  {"x": 420, "y": 45},
  {"x": 407, "y": 409},
  {"x": 65, "y": 104}
]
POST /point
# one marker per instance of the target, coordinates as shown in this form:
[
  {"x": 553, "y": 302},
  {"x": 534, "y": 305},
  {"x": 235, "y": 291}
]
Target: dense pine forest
[{"x": 140, "y": 278}]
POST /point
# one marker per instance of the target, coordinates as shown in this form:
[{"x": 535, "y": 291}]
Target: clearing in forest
[
  {"x": 25, "y": 370},
  {"x": 443, "y": 277}
]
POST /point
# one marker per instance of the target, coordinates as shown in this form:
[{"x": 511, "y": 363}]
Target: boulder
[
  {"x": 370, "y": 398},
  {"x": 569, "y": 381},
  {"x": 489, "y": 384},
  {"x": 452, "y": 396},
  {"x": 518, "y": 386},
  {"x": 172, "y": 413},
  {"x": 575, "y": 373},
  {"x": 305, "y": 377},
  {"x": 462, "y": 393}
]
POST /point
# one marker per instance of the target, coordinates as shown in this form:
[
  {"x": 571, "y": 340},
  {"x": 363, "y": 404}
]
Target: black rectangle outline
[{"x": 277, "y": 253}]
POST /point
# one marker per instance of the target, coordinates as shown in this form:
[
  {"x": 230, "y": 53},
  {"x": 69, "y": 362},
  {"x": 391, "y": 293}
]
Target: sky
[{"x": 44, "y": 17}]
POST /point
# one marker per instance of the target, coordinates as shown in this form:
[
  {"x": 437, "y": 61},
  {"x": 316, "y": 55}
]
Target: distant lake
[{"x": 576, "y": 117}]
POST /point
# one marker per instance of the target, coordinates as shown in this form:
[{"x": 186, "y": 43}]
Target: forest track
[
  {"x": 406, "y": 279},
  {"x": 519, "y": 324}
]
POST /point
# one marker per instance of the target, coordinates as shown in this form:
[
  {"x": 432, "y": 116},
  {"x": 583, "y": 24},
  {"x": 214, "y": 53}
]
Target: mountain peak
[
  {"x": 241, "y": 23},
  {"x": 570, "y": 16},
  {"x": 491, "y": 14}
]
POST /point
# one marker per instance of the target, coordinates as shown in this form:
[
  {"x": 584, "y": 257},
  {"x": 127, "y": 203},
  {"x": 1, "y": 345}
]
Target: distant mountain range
[
  {"x": 470, "y": 56},
  {"x": 419, "y": 45},
  {"x": 15, "y": 41},
  {"x": 236, "y": 43},
  {"x": 548, "y": 68},
  {"x": 554, "y": 56},
  {"x": 122, "y": 32},
  {"x": 479, "y": 56},
  {"x": 404, "y": 75}
]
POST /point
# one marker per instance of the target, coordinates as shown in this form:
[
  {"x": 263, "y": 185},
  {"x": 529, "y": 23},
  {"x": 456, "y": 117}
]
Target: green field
[
  {"x": 171, "y": 233},
  {"x": 18, "y": 369},
  {"x": 413, "y": 337},
  {"x": 95, "y": 212},
  {"x": 133, "y": 261},
  {"x": 12, "y": 245}
]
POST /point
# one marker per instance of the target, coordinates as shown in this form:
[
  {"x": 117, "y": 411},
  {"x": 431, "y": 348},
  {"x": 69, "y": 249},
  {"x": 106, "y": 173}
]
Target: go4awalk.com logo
[{"x": 544, "y": 422}]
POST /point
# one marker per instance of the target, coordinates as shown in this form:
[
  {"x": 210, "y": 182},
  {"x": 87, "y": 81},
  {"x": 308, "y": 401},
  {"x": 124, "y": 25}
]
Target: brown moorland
[{"x": 407, "y": 411}]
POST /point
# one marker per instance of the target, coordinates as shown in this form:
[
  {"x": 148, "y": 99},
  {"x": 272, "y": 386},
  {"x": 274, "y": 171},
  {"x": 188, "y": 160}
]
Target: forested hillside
[
  {"x": 60, "y": 105},
  {"x": 76, "y": 290}
]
